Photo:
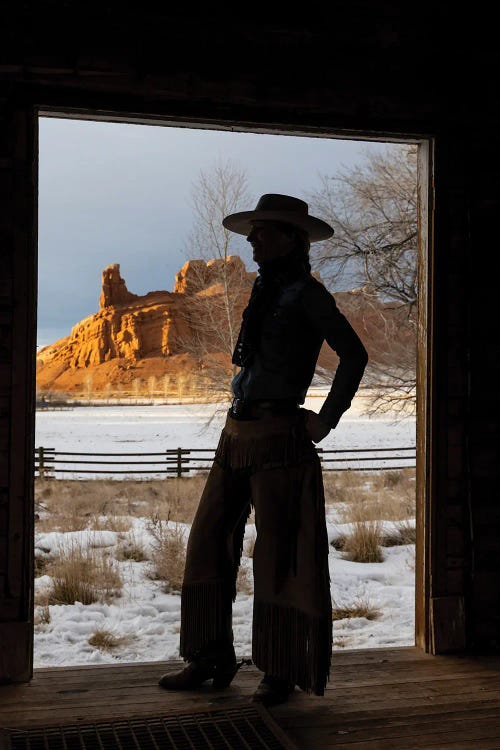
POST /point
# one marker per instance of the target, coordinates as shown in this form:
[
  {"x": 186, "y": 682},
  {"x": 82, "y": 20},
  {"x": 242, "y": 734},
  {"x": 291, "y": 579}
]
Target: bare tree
[
  {"x": 220, "y": 191},
  {"x": 373, "y": 209},
  {"x": 218, "y": 282},
  {"x": 390, "y": 332}
]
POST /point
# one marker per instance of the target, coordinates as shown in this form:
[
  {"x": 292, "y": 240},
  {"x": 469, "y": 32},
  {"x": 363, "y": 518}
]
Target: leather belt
[{"x": 241, "y": 409}]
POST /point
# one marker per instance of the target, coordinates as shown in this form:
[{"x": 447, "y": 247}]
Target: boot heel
[
  {"x": 223, "y": 681},
  {"x": 225, "y": 678}
]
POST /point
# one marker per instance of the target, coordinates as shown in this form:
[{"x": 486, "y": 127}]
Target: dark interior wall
[
  {"x": 483, "y": 376},
  {"x": 17, "y": 347},
  {"x": 353, "y": 68}
]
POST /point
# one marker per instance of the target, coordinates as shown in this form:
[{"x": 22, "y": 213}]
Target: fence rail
[{"x": 181, "y": 461}]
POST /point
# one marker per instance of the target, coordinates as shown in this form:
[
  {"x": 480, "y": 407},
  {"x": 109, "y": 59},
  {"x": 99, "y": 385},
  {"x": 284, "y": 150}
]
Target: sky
[{"x": 121, "y": 193}]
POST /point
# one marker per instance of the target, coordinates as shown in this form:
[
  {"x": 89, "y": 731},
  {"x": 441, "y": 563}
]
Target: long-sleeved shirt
[{"x": 302, "y": 316}]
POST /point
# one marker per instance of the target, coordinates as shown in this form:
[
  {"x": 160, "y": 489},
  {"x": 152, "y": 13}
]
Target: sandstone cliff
[
  {"x": 135, "y": 338},
  {"x": 165, "y": 342}
]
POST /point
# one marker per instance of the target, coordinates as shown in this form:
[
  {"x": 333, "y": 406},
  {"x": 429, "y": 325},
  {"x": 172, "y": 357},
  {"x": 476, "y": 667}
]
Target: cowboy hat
[{"x": 284, "y": 208}]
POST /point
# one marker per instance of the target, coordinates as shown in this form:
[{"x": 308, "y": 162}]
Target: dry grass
[
  {"x": 339, "y": 542},
  {"x": 83, "y": 575},
  {"x": 364, "y": 501},
  {"x": 131, "y": 549},
  {"x": 42, "y": 615},
  {"x": 169, "y": 553},
  {"x": 341, "y": 642},
  {"x": 363, "y": 543},
  {"x": 105, "y": 640},
  {"x": 249, "y": 546},
  {"x": 360, "y": 608},
  {"x": 244, "y": 581},
  {"x": 395, "y": 492},
  {"x": 339, "y": 485},
  {"x": 405, "y": 533},
  {"x": 73, "y": 505},
  {"x": 361, "y": 498},
  {"x": 383, "y": 495},
  {"x": 121, "y": 524},
  {"x": 42, "y": 598},
  {"x": 42, "y": 562},
  {"x": 392, "y": 478}
]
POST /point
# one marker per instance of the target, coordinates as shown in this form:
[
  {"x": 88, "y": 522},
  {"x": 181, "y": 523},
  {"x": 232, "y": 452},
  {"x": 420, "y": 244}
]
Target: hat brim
[{"x": 241, "y": 222}]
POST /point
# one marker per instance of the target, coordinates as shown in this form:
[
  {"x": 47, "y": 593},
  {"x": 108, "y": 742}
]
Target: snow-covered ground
[
  {"x": 147, "y": 618},
  {"x": 154, "y": 429}
]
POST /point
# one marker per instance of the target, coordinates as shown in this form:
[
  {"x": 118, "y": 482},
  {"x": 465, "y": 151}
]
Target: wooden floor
[{"x": 378, "y": 699}]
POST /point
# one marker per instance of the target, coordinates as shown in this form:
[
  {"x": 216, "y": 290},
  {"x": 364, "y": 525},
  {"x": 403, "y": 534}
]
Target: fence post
[
  {"x": 179, "y": 462},
  {"x": 41, "y": 463}
]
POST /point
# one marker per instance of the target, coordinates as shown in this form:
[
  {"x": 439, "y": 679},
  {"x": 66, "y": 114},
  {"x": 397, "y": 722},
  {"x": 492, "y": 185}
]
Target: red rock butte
[
  {"x": 150, "y": 344},
  {"x": 135, "y": 338}
]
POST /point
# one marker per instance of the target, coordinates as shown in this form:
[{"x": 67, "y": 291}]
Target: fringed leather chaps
[{"x": 271, "y": 464}]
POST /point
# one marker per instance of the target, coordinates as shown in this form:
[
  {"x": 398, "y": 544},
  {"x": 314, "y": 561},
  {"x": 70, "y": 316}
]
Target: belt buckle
[{"x": 237, "y": 408}]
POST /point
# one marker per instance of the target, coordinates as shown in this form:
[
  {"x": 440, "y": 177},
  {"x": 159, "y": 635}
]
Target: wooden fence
[{"x": 50, "y": 463}]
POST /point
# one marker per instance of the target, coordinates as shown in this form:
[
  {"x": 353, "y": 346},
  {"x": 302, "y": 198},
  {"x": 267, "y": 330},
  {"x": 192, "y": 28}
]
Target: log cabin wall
[{"x": 351, "y": 69}]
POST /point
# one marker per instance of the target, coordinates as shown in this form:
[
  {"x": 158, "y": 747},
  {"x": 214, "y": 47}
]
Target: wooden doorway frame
[{"x": 18, "y": 642}]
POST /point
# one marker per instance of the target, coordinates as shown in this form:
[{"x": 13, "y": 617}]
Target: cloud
[{"x": 119, "y": 193}]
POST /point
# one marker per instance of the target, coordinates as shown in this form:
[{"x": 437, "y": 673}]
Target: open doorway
[{"x": 102, "y": 391}]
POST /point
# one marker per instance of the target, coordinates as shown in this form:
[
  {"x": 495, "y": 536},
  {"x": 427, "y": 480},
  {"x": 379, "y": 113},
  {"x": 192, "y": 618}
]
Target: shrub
[
  {"x": 42, "y": 615},
  {"x": 83, "y": 575},
  {"x": 339, "y": 542},
  {"x": 363, "y": 543},
  {"x": 42, "y": 562},
  {"x": 131, "y": 549},
  {"x": 407, "y": 533},
  {"x": 404, "y": 533},
  {"x": 105, "y": 640},
  {"x": 169, "y": 553},
  {"x": 360, "y": 608}
]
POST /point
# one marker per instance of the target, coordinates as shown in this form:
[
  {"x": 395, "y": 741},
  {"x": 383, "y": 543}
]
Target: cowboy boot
[
  {"x": 272, "y": 691},
  {"x": 216, "y": 664}
]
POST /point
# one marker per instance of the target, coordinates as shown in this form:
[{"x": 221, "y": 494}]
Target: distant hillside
[{"x": 143, "y": 345}]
